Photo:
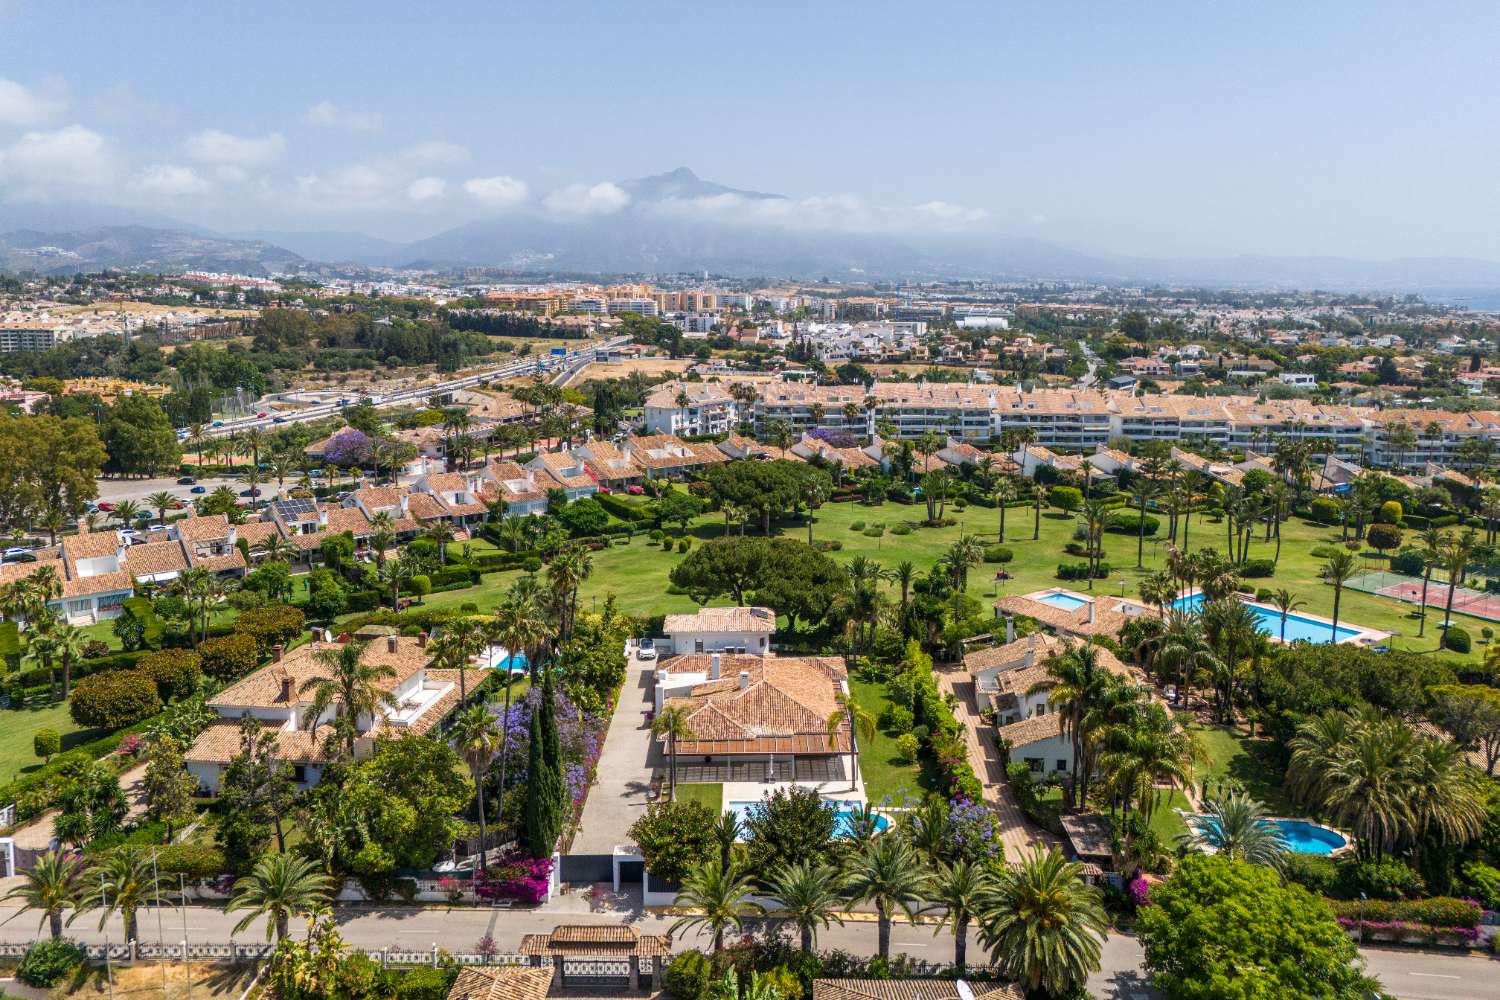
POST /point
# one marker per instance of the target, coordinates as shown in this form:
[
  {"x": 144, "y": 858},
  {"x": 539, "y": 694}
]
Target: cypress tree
[{"x": 539, "y": 826}]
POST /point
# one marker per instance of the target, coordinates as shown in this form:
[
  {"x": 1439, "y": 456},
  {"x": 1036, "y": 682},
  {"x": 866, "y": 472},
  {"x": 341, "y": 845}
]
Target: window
[
  {"x": 1062, "y": 765},
  {"x": 1034, "y": 764},
  {"x": 299, "y": 773}
]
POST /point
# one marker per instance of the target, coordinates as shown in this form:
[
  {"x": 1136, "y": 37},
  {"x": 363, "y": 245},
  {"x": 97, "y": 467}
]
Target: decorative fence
[{"x": 237, "y": 953}]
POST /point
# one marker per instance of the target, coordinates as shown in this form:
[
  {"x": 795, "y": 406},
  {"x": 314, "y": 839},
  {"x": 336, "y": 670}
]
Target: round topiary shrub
[
  {"x": 1458, "y": 640},
  {"x": 998, "y": 554},
  {"x": 856, "y": 526},
  {"x": 174, "y": 671},
  {"x": 906, "y": 748},
  {"x": 421, "y": 585},
  {"x": 1324, "y": 511},
  {"x": 1408, "y": 562},
  {"x": 46, "y": 743},
  {"x": 1384, "y": 537},
  {"x": 1390, "y": 512},
  {"x": 531, "y": 564},
  {"x": 229, "y": 657},
  {"x": 114, "y": 699},
  {"x": 46, "y": 963},
  {"x": 904, "y": 528}
]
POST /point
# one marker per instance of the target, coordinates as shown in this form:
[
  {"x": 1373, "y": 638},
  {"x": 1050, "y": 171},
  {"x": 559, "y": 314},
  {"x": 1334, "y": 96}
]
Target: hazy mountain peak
[{"x": 683, "y": 184}]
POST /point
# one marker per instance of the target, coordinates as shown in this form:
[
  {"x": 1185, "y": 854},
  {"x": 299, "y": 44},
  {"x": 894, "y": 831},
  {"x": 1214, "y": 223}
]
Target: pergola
[{"x": 598, "y": 955}]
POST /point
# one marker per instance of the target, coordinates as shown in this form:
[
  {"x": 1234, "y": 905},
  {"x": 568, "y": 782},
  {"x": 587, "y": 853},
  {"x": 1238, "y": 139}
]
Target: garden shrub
[
  {"x": 1264, "y": 594},
  {"x": 175, "y": 672},
  {"x": 1390, "y": 512},
  {"x": 1068, "y": 498},
  {"x": 1128, "y": 522},
  {"x": 272, "y": 624},
  {"x": 1080, "y": 571},
  {"x": 1324, "y": 511},
  {"x": 425, "y": 983},
  {"x": 1441, "y": 912},
  {"x": 906, "y": 748},
  {"x": 1317, "y": 874},
  {"x": 195, "y": 862},
  {"x": 1388, "y": 880},
  {"x": 228, "y": 657},
  {"x": 421, "y": 585},
  {"x": 532, "y": 564},
  {"x": 1257, "y": 568},
  {"x": 683, "y": 544},
  {"x": 1324, "y": 551},
  {"x": 114, "y": 699},
  {"x": 46, "y": 744},
  {"x": 901, "y": 529},
  {"x": 687, "y": 975},
  {"x": 1457, "y": 639},
  {"x": 896, "y": 718},
  {"x": 1408, "y": 562},
  {"x": 998, "y": 554},
  {"x": 1384, "y": 537},
  {"x": 856, "y": 526},
  {"x": 48, "y": 961},
  {"x": 874, "y": 531}
]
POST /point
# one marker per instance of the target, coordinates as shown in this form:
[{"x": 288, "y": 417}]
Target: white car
[{"x": 645, "y": 650}]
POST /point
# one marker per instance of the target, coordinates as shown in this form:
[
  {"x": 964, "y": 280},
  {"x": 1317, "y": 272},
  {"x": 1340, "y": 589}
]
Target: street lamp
[{"x": 1362, "y": 898}]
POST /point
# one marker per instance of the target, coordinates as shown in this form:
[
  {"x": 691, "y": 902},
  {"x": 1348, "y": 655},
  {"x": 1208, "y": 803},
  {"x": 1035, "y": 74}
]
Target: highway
[{"x": 560, "y": 365}]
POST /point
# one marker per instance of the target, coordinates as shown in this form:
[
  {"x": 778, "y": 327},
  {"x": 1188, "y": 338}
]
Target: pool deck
[
  {"x": 1348, "y": 846},
  {"x": 1362, "y": 636},
  {"x": 753, "y": 791}
]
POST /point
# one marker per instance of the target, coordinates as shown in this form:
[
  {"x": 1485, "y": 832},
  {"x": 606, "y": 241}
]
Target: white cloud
[
  {"x": 171, "y": 180},
  {"x": 67, "y": 161},
  {"x": 496, "y": 192},
  {"x": 213, "y": 146},
  {"x": 587, "y": 199},
  {"x": 426, "y": 188},
  {"x": 433, "y": 153},
  {"x": 823, "y": 213},
  {"x": 22, "y": 106},
  {"x": 326, "y": 114}
]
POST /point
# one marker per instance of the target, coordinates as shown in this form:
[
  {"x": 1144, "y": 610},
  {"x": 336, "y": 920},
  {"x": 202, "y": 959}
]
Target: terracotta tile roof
[
  {"x": 608, "y": 463},
  {"x": 722, "y": 620},
  {"x": 11, "y": 572},
  {"x": 90, "y": 545},
  {"x": 255, "y": 532},
  {"x": 234, "y": 559},
  {"x": 784, "y": 698},
  {"x": 220, "y": 742},
  {"x": 263, "y": 688},
  {"x": 910, "y": 989},
  {"x": 202, "y": 529},
  {"x": 155, "y": 558},
  {"x": 662, "y": 451},
  {"x": 103, "y": 583},
  {"x": 501, "y": 982},
  {"x": 426, "y": 507},
  {"x": 739, "y": 446},
  {"x": 597, "y": 940},
  {"x": 1021, "y": 664},
  {"x": 1032, "y": 730},
  {"x": 377, "y": 498},
  {"x": 557, "y": 465},
  {"x": 446, "y": 482},
  {"x": 1108, "y": 619},
  {"x": 664, "y": 396}
]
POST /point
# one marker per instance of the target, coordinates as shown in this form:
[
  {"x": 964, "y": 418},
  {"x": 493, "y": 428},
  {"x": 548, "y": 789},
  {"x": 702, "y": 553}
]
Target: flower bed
[{"x": 1443, "y": 920}]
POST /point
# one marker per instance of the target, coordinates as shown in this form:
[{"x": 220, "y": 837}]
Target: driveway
[
  {"x": 37, "y": 835},
  {"x": 1017, "y": 832},
  {"x": 626, "y": 763}
]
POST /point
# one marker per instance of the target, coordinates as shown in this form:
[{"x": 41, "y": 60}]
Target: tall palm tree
[
  {"x": 54, "y": 883},
  {"x": 161, "y": 501},
  {"x": 1286, "y": 602},
  {"x": 672, "y": 723},
  {"x": 276, "y": 548},
  {"x": 1044, "y": 927},
  {"x": 719, "y": 897},
  {"x": 810, "y": 895},
  {"x": 1236, "y": 827},
  {"x": 962, "y": 890},
  {"x": 459, "y": 642},
  {"x": 1455, "y": 561},
  {"x": 1432, "y": 558},
  {"x": 889, "y": 874},
  {"x": 861, "y": 727},
  {"x": 349, "y": 686},
  {"x": 1075, "y": 682},
  {"x": 477, "y": 738},
  {"x": 68, "y": 643},
  {"x": 1144, "y": 752},
  {"x": 279, "y": 887},
  {"x": 519, "y": 627},
  {"x": 1337, "y": 571},
  {"x": 122, "y": 883},
  {"x": 1003, "y": 492}
]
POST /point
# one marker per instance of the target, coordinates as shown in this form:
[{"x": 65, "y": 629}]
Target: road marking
[{"x": 1433, "y": 975}]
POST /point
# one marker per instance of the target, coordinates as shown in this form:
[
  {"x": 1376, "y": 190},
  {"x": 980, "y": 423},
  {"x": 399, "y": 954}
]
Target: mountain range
[{"x": 655, "y": 232}]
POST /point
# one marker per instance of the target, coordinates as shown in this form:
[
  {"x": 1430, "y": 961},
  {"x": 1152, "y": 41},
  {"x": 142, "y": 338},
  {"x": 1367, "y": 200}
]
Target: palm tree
[
  {"x": 1455, "y": 560},
  {"x": 1432, "y": 557},
  {"x": 461, "y": 639},
  {"x": 1077, "y": 682},
  {"x": 518, "y": 626},
  {"x": 1235, "y": 826},
  {"x": 719, "y": 897},
  {"x": 126, "y": 512},
  {"x": 54, "y": 883},
  {"x": 1144, "y": 752},
  {"x": 349, "y": 686},
  {"x": 67, "y": 645},
  {"x": 1044, "y": 927},
  {"x": 1337, "y": 571},
  {"x": 671, "y": 722},
  {"x": 1003, "y": 492},
  {"x": 1286, "y": 602},
  {"x": 276, "y": 549},
  {"x": 961, "y": 890},
  {"x": 889, "y": 874},
  {"x": 161, "y": 501},
  {"x": 441, "y": 532},
  {"x": 861, "y": 727},
  {"x": 122, "y": 883},
  {"x": 277, "y": 888},
  {"x": 810, "y": 896},
  {"x": 477, "y": 738}
]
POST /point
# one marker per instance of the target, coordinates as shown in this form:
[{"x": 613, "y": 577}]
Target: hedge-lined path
[
  {"x": 37, "y": 835},
  {"x": 1017, "y": 833}
]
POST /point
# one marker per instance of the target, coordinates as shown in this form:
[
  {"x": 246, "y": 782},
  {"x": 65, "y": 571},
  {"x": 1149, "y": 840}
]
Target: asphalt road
[
  {"x": 115, "y": 490},
  {"x": 1409, "y": 975}
]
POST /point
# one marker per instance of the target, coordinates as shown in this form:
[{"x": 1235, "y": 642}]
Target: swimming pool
[
  {"x": 843, "y": 816},
  {"x": 1268, "y": 621},
  {"x": 1068, "y": 602},
  {"x": 499, "y": 658},
  {"x": 1301, "y": 836}
]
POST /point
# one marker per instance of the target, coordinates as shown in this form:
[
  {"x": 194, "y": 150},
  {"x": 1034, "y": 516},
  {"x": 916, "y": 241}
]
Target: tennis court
[{"x": 1472, "y": 602}]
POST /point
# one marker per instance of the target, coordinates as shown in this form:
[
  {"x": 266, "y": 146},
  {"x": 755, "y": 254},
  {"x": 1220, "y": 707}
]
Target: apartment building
[{"x": 711, "y": 408}]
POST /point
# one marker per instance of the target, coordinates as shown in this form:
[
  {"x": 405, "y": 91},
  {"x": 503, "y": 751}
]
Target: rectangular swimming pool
[
  {"x": 1268, "y": 621},
  {"x": 1067, "y": 602}
]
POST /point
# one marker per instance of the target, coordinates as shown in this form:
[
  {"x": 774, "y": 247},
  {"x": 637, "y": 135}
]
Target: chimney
[
  {"x": 713, "y": 667},
  {"x": 1091, "y": 613},
  {"x": 1010, "y": 629},
  {"x": 421, "y": 640},
  {"x": 234, "y": 535},
  {"x": 390, "y": 644},
  {"x": 276, "y": 652},
  {"x": 405, "y": 504},
  {"x": 322, "y": 517},
  {"x": 744, "y": 679},
  {"x": 286, "y": 688}
]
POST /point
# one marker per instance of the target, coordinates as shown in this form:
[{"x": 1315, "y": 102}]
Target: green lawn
[
  {"x": 1165, "y": 821},
  {"x": 1234, "y": 755},
  {"x": 18, "y": 726},
  {"x": 711, "y": 794},
  {"x": 885, "y": 775}
]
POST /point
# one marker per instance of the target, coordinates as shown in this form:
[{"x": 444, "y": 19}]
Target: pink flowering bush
[
  {"x": 525, "y": 879},
  {"x": 1140, "y": 891}
]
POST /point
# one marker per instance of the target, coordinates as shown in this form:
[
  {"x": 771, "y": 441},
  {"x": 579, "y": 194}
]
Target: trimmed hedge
[
  {"x": 229, "y": 657},
  {"x": 1257, "y": 568},
  {"x": 1458, "y": 640},
  {"x": 37, "y": 676},
  {"x": 1128, "y": 522},
  {"x": 1437, "y": 911},
  {"x": 998, "y": 554},
  {"x": 175, "y": 672},
  {"x": 114, "y": 699},
  {"x": 271, "y": 624}
]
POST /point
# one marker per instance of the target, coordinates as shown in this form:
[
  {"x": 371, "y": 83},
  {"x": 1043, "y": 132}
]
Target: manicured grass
[
  {"x": 19, "y": 725},
  {"x": 1166, "y": 822},
  {"x": 711, "y": 794},
  {"x": 1234, "y": 755},
  {"x": 885, "y": 776}
]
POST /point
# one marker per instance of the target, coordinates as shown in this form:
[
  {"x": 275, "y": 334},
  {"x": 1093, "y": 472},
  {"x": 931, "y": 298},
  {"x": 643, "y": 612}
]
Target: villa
[
  {"x": 275, "y": 697},
  {"x": 720, "y": 630}
]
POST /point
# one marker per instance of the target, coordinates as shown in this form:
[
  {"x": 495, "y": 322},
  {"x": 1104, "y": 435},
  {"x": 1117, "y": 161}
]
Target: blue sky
[{"x": 1356, "y": 129}]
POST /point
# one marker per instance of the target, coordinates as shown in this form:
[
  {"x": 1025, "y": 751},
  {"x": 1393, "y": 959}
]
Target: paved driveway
[
  {"x": 1017, "y": 832},
  {"x": 626, "y": 763}
]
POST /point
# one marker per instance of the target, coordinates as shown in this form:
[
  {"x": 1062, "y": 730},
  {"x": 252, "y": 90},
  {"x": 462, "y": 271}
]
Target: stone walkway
[
  {"x": 626, "y": 763},
  {"x": 1017, "y": 833}
]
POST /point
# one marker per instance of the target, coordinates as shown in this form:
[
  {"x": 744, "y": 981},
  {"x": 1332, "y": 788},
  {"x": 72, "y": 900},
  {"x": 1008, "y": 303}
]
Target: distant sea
[{"x": 1483, "y": 299}]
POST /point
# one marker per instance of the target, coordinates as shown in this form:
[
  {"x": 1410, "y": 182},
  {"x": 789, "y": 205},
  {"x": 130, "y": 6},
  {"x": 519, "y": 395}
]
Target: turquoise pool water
[
  {"x": 843, "y": 816},
  {"x": 1268, "y": 620},
  {"x": 1065, "y": 601},
  {"x": 1301, "y": 836},
  {"x": 497, "y": 658}
]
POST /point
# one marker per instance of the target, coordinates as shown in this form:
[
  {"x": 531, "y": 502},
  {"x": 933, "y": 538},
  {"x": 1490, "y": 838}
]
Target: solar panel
[{"x": 295, "y": 507}]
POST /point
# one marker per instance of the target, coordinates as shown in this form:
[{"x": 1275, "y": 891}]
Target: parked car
[
  {"x": 156, "y": 527},
  {"x": 218, "y": 423},
  {"x": 18, "y": 553},
  {"x": 262, "y": 415},
  {"x": 254, "y": 491},
  {"x": 186, "y": 481},
  {"x": 646, "y": 649},
  {"x": 278, "y": 420},
  {"x": 106, "y": 506},
  {"x": 198, "y": 489}
]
